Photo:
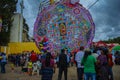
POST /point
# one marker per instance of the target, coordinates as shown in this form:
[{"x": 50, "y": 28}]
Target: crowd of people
[{"x": 95, "y": 63}]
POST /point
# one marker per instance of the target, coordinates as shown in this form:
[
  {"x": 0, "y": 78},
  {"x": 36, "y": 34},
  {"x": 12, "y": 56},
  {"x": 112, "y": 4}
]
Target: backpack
[{"x": 63, "y": 60}]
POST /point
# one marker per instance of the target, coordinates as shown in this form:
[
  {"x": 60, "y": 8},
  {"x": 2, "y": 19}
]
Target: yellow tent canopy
[{"x": 15, "y": 48}]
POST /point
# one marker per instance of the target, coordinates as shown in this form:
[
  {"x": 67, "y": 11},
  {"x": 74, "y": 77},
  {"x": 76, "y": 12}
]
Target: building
[{"x": 19, "y": 31}]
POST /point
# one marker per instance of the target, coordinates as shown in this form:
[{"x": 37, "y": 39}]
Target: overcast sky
[{"x": 105, "y": 13}]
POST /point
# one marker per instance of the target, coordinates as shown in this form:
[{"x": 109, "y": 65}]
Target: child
[
  {"x": 39, "y": 66},
  {"x": 29, "y": 65},
  {"x": 35, "y": 69}
]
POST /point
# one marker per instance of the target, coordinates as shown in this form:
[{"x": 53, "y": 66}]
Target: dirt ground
[{"x": 18, "y": 75}]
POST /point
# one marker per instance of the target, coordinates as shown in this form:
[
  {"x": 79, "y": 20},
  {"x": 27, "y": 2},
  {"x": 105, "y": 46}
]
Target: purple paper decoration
[{"x": 65, "y": 26}]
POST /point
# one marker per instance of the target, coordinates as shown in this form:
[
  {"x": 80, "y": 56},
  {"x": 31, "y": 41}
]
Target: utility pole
[
  {"x": 21, "y": 21},
  {"x": 22, "y": 6}
]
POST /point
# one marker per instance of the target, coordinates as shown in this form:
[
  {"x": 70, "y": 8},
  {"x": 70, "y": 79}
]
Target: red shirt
[
  {"x": 110, "y": 60},
  {"x": 33, "y": 57}
]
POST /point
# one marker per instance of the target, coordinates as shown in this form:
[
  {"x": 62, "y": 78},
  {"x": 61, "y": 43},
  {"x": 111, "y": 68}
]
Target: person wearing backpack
[{"x": 63, "y": 61}]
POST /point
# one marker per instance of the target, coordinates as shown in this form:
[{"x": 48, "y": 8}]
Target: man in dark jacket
[{"x": 63, "y": 61}]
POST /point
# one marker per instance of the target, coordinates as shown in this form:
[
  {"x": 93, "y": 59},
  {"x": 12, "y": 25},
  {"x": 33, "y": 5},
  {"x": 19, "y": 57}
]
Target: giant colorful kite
[{"x": 63, "y": 25}]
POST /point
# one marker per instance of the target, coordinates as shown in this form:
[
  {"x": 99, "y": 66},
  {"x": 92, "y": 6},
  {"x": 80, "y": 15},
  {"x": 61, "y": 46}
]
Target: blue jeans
[
  {"x": 3, "y": 67},
  {"x": 91, "y": 76},
  {"x": 110, "y": 73}
]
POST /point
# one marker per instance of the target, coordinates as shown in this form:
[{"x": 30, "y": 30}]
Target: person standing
[
  {"x": 103, "y": 66},
  {"x": 35, "y": 69},
  {"x": 29, "y": 67},
  {"x": 89, "y": 62},
  {"x": 63, "y": 61},
  {"x": 47, "y": 69},
  {"x": 3, "y": 63},
  {"x": 95, "y": 54},
  {"x": 110, "y": 65},
  {"x": 39, "y": 64},
  {"x": 0, "y": 59},
  {"x": 80, "y": 68}
]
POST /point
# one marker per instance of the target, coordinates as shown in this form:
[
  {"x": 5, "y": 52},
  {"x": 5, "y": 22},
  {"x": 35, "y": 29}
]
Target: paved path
[{"x": 18, "y": 75}]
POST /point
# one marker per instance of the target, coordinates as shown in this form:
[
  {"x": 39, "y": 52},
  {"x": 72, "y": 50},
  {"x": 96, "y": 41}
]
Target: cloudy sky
[{"x": 105, "y": 13}]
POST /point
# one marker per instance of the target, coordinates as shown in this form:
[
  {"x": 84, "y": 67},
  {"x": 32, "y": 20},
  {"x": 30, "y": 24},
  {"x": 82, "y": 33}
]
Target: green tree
[
  {"x": 114, "y": 40},
  {"x": 7, "y": 9}
]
